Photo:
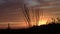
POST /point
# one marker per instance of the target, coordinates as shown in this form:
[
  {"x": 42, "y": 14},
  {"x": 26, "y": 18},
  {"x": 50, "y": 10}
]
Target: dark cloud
[
  {"x": 10, "y": 1},
  {"x": 2, "y": 2},
  {"x": 27, "y": 2},
  {"x": 47, "y": 0},
  {"x": 16, "y": 1}
]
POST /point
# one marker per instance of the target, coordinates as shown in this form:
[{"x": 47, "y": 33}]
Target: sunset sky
[{"x": 11, "y": 11}]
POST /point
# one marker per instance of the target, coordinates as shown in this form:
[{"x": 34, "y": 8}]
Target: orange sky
[{"x": 11, "y": 12}]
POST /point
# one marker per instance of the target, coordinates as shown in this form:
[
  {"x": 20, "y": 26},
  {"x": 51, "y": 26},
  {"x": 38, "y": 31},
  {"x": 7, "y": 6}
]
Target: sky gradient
[{"x": 11, "y": 11}]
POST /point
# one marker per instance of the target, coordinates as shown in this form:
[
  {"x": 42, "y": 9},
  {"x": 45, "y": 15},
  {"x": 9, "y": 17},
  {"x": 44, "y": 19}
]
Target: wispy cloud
[
  {"x": 30, "y": 3},
  {"x": 44, "y": 7},
  {"x": 56, "y": 12},
  {"x": 48, "y": 0}
]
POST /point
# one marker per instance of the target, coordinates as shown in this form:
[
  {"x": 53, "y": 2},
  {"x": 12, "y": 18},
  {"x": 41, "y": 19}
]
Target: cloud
[
  {"x": 44, "y": 7},
  {"x": 16, "y": 1},
  {"x": 10, "y": 1},
  {"x": 2, "y": 2},
  {"x": 48, "y": 0},
  {"x": 56, "y": 12},
  {"x": 30, "y": 3}
]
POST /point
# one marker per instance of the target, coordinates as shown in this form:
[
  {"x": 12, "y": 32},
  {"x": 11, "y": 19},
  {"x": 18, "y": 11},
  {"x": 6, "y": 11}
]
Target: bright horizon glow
[{"x": 42, "y": 22}]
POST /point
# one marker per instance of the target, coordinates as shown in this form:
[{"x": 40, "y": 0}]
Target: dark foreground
[{"x": 37, "y": 29}]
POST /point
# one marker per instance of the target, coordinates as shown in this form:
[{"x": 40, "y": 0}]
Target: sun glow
[{"x": 42, "y": 21}]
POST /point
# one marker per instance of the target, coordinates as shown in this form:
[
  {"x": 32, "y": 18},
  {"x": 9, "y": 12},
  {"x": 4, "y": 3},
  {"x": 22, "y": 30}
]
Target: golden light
[{"x": 42, "y": 22}]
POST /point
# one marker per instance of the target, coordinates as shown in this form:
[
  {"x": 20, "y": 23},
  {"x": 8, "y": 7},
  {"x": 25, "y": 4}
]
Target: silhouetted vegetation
[
  {"x": 53, "y": 27},
  {"x": 56, "y": 20}
]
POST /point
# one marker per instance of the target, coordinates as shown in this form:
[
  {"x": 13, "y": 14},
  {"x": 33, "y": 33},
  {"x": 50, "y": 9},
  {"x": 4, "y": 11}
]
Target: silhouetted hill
[
  {"x": 53, "y": 27},
  {"x": 45, "y": 28}
]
